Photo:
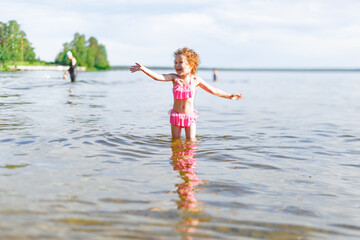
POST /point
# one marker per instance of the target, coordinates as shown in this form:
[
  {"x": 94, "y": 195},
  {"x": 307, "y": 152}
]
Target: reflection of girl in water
[{"x": 184, "y": 162}]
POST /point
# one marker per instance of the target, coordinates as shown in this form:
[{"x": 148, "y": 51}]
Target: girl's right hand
[{"x": 136, "y": 67}]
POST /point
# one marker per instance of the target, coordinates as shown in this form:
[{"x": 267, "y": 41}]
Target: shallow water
[{"x": 94, "y": 159}]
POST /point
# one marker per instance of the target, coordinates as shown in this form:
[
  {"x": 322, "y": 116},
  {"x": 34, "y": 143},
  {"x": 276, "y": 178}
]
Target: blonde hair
[{"x": 191, "y": 56}]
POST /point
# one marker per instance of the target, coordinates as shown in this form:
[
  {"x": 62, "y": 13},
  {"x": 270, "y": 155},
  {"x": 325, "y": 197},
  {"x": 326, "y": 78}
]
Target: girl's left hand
[{"x": 236, "y": 96}]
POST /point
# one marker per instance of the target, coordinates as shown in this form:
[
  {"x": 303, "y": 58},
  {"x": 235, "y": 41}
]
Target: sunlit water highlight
[{"x": 94, "y": 159}]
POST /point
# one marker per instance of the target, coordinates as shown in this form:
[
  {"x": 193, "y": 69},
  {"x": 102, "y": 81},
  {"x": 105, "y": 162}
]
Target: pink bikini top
[{"x": 183, "y": 91}]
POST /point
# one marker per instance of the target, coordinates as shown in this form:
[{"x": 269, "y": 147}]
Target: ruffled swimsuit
[{"x": 183, "y": 92}]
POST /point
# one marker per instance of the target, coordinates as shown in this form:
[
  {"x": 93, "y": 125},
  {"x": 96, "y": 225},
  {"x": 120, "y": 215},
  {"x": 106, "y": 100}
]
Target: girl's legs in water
[
  {"x": 175, "y": 131},
  {"x": 190, "y": 132}
]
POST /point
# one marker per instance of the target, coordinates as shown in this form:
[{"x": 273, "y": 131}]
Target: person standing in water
[
  {"x": 72, "y": 67},
  {"x": 183, "y": 114},
  {"x": 215, "y": 77}
]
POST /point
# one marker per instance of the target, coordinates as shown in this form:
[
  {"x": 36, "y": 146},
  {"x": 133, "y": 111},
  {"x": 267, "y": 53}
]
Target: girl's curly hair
[{"x": 191, "y": 56}]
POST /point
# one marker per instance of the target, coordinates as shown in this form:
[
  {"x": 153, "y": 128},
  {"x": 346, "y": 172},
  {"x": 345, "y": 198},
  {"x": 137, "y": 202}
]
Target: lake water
[{"x": 94, "y": 159}]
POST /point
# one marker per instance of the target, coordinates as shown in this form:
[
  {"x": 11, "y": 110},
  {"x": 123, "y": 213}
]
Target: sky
[{"x": 225, "y": 33}]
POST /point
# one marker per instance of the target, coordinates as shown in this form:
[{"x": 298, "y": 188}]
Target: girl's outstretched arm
[
  {"x": 217, "y": 92},
  {"x": 150, "y": 73}
]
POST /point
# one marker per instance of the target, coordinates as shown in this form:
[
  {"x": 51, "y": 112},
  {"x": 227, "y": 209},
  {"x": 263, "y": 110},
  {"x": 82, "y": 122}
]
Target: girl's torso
[{"x": 184, "y": 94}]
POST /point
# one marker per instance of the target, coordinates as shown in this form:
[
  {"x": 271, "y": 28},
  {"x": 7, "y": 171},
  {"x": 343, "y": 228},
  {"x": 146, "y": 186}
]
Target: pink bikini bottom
[{"x": 183, "y": 119}]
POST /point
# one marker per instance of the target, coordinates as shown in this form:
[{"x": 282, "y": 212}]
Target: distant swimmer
[
  {"x": 216, "y": 77},
  {"x": 72, "y": 67}
]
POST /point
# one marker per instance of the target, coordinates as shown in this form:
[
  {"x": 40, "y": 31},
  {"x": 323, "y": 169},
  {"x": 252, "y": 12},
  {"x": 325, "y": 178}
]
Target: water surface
[{"x": 95, "y": 160}]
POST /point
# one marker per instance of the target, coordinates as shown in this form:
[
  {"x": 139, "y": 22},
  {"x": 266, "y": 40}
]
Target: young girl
[{"x": 183, "y": 114}]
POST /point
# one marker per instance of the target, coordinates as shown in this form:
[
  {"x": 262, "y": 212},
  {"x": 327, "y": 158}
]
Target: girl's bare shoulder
[
  {"x": 198, "y": 80},
  {"x": 171, "y": 76}
]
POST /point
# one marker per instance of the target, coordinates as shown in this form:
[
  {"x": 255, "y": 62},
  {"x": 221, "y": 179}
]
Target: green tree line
[
  {"x": 14, "y": 46},
  {"x": 88, "y": 53}
]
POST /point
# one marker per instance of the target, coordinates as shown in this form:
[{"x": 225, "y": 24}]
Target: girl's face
[{"x": 181, "y": 65}]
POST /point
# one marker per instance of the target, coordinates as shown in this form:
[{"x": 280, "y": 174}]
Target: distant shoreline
[
  {"x": 43, "y": 68},
  {"x": 126, "y": 68},
  {"x": 255, "y": 69}
]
